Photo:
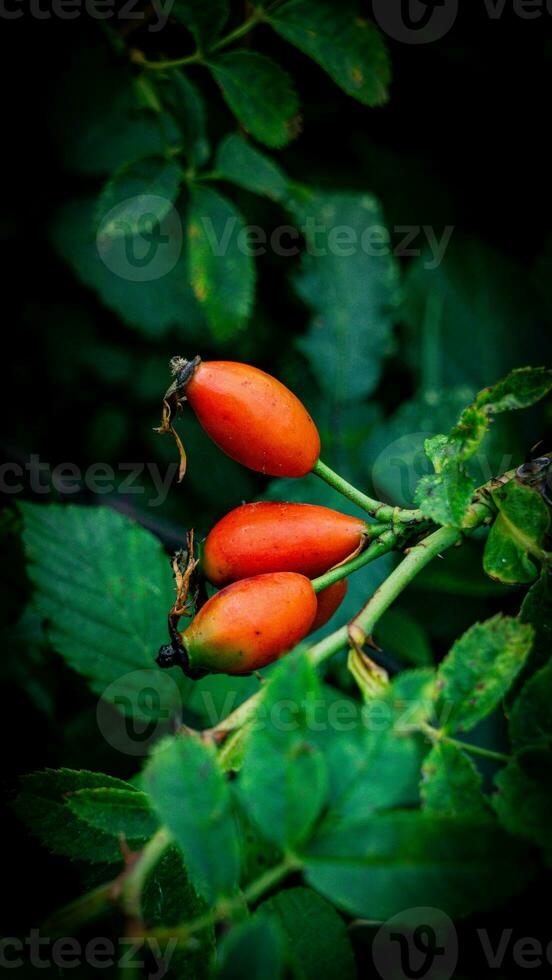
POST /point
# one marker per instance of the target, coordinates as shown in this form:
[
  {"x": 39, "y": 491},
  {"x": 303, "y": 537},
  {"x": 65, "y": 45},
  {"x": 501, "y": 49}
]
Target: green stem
[
  {"x": 378, "y": 548},
  {"x": 197, "y": 57},
  {"x": 224, "y": 909},
  {"x": 436, "y": 736},
  {"x": 377, "y": 509},
  {"x": 70, "y": 918},
  {"x": 417, "y": 558},
  {"x": 135, "y": 880}
]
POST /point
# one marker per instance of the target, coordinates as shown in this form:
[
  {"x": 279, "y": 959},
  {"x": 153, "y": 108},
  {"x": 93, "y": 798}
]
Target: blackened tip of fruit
[
  {"x": 183, "y": 372},
  {"x": 167, "y": 656}
]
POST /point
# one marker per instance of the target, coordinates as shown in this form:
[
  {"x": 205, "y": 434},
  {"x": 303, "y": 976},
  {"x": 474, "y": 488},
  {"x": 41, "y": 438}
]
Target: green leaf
[
  {"x": 188, "y": 110},
  {"x": 204, "y": 20},
  {"x": 479, "y": 669},
  {"x": 522, "y": 388},
  {"x": 254, "y": 949},
  {"x": 43, "y": 805},
  {"x": 344, "y": 44},
  {"x": 103, "y": 584},
  {"x": 318, "y": 945},
  {"x": 376, "y": 763},
  {"x": 517, "y": 536},
  {"x": 445, "y": 497},
  {"x": 391, "y": 861},
  {"x": 531, "y": 715},
  {"x": 241, "y": 163},
  {"x": 125, "y": 812},
  {"x": 144, "y": 279},
  {"x": 168, "y": 899},
  {"x": 523, "y": 798},
  {"x": 260, "y": 94},
  {"x": 141, "y": 194},
  {"x": 222, "y": 274},
  {"x": 451, "y": 785},
  {"x": 192, "y": 798},
  {"x": 283, "y": 780},
  {"x": 350, "y": 287}
]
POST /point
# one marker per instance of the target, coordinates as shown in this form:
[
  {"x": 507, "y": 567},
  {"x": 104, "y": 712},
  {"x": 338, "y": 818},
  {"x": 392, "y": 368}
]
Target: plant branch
[
  {"x": 198, "y": 56},
  {"x": 381, "y": 546},
  {"x": 134, "y": 880},
  {"x": 186, "y": 930},
  {"x": 436, "y": 736},
  {"x": 377, "y": 509}
]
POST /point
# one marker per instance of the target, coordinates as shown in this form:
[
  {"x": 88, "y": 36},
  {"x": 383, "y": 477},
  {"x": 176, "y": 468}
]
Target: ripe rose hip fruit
[
  {"x": 329, "y": 601},
  {"x": 249, "y": 415},
  {"x": 246, "y": 626},
  {"x": 278, "y": 537}
]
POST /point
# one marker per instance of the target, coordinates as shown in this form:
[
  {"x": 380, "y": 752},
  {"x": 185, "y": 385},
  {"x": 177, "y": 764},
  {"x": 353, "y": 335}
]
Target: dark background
[{"x": 464, "y": 141}]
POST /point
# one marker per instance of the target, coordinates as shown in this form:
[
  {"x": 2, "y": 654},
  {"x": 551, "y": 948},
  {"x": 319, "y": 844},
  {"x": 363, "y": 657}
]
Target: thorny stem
[{"x": 436, "y": 735}]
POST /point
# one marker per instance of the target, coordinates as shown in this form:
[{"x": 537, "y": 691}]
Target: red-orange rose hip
[
  {"x": 329, "y": 601},
  {"x": 279, "y": 537},
  {"x": 253, "y": 418},
  {"x": 250, "y": 624}
]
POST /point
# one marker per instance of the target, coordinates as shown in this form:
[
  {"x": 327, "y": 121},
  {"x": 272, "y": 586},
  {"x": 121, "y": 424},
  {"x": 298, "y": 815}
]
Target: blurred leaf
[
  {"x": 536, "y": 610},
  {"x": 29, "y": 663},
  {"x": 142, "y": 192},
  {"x": 214, "y": 697},
  {"x": 408, "y": 858},
  {"x": 531, "y": 714},
  {"x": 241, "y": 163},
  {"x": 347, "y": 46},
  {"x": 517, "y": 536},
  {"x": 192, "y": 798},
  {"x": 350, "y": 291},
  {"x": 158, "y": 301},
  {"x": 316, "y": 936},
  {"x": 459, "y": 573},
  {"x": 451, "y": 785},
  {"x": 522, "y": 801},
  {"x": 257, "y": 854},
  {"x": 471, "y": 285},
  {"x": 404, "y": 637},
  {"x": 120, "y": 812},
  {"x": 101, "y": 126},
  {"x": 222, "y": 274},
  {"x": 479, "y": 669},
  {"x": 260, "y": 94},
  {"x": 104, "y": 586},
  {"x": 188, "y": 109},
  {"x": 43, "y": 805},
  {"x": 204, "y": 20},
  {"x": 169, "y": 899},
  {"x": 254, "y": 949},
  {"x": 282, "y": 783}
]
